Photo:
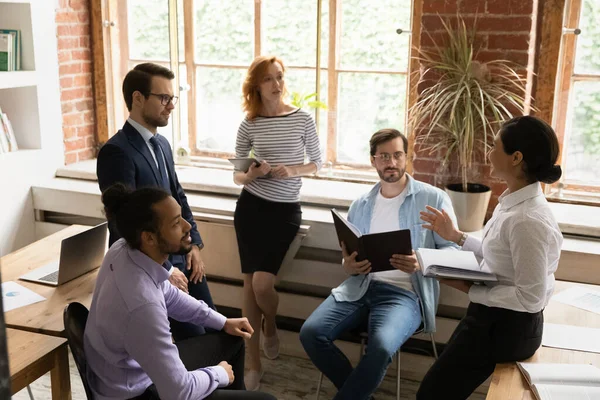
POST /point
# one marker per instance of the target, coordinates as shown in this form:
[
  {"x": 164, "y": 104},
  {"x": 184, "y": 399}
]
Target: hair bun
[
  {"x": 550, "y": 175},
  {"x": 113, "y": 199}
]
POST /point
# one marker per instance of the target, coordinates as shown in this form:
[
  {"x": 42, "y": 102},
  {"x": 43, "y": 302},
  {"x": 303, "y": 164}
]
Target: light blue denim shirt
[{"x": 419, "y": 194}]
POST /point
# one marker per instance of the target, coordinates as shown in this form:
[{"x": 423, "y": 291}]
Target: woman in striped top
[{"x": 268, "y": 214}]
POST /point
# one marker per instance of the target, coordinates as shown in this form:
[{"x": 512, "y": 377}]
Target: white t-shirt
[{"x": 385, "y": 219}]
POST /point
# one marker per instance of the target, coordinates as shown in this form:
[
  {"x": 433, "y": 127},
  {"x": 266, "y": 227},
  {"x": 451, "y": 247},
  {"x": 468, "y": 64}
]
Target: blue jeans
[{"x": 392, "y": 315}]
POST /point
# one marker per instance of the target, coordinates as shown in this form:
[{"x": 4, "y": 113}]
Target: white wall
[{"x": 32, "y": 101}]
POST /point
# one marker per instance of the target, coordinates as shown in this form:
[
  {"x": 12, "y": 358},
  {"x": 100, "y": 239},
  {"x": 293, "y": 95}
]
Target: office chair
[{"x": 75, "y": 316}]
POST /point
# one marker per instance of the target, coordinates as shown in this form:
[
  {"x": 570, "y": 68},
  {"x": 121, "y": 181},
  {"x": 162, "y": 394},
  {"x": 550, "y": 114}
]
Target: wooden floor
[{"x": 287, "y": 378}]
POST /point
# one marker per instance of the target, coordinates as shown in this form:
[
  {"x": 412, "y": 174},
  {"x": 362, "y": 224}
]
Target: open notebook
[
  {"x": 378, "y": 248},
  {"x": 562, "y": 381},
  {"x": 452, "y": 264}
]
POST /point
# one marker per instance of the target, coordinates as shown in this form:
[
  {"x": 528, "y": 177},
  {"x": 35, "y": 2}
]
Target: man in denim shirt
[{"x": 393, "y": 304}]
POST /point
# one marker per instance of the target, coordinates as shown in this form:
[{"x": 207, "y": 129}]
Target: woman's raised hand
[{"x": 441, "y": 223}]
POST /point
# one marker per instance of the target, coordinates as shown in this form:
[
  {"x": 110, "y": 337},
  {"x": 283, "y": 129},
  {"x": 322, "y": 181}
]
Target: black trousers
[
  {"x": 211, "y": 349},
  {"x": 484, "y": 337},
  {"x": 185, "y": 330}
]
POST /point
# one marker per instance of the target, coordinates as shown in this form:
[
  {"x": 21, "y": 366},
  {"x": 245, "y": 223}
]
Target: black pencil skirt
[{"x": 264, "y": 229}]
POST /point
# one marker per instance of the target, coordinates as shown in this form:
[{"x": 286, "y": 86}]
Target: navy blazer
[{"x": 127, "y": 159}]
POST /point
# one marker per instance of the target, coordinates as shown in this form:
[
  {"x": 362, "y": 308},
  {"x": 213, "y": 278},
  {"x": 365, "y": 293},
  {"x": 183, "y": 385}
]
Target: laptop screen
[{"x": 4, "y": 372}]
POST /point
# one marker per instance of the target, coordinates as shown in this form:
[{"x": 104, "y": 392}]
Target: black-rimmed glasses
[
  {"x": 386, "y": 157},
  {"x": 165, "y": 99}
]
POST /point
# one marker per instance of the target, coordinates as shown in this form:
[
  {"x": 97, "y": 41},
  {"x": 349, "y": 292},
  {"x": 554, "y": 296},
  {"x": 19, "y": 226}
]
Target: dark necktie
[{"x": 162, "y": 171}]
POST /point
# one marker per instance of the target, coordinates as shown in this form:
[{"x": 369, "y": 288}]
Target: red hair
[{"x": 252, "y": 102}]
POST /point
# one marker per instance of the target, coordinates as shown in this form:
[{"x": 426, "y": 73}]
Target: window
[
  {"x": 363, "y": 63},
  {"x": 577, "y": 110}
]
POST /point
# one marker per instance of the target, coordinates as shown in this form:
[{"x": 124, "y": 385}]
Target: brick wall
[
  {"x": 504, "y": 32},
  {"x": 75, "y": 70}
]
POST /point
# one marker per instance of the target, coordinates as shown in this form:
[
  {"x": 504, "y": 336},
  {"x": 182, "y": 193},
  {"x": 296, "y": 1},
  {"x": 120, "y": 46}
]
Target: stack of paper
[
  {"x": 452, "y": 264},
  {"x": 562, "y": 381}
]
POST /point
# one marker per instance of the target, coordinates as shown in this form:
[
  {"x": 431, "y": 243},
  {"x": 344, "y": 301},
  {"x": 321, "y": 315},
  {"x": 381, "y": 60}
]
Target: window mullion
[
  {"x": 257, "y": 28},
  {"x": 332, "y": 78},
  {"x": 566, "y": 74},
  {"x": 190, "y": 46}
]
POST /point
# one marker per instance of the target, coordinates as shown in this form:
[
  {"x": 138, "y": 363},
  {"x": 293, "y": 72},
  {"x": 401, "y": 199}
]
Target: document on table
[
  {"x": 15, "y": 296},
  {"x": 584, "y": 298},
  {"x": 571, "y": 337}
]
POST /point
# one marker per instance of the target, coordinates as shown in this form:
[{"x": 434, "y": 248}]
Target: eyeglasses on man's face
[
  {"x": 165, "y": 99},
  {"x": 387, "y": 157}
]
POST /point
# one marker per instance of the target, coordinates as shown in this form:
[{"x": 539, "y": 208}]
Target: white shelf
[
  {"x": 15, "y": 79},
  {"x": 29, "y": 154}
]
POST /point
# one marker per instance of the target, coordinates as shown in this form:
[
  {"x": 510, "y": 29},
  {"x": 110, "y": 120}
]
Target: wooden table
[
  {"x": 46, "y": 316},
  {"x": 508, "y": 382},
  {"x": 31, "y": 355}
]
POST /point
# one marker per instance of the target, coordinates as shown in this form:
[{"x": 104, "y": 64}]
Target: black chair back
[{"x": 75, "y": 318}]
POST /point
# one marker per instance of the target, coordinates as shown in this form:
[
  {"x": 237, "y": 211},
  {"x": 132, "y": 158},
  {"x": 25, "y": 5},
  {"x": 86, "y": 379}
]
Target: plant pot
[{"x": 470, "y": 207}]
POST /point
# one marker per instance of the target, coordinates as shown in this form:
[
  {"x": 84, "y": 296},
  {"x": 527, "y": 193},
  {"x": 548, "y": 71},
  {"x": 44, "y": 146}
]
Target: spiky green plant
[
  {"x": 467, "y": 100},
  {"x": 300, "y": 100}
]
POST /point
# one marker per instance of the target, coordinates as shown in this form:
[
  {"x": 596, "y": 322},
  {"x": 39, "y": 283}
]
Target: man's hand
[
  {"x": 238, "y": 327},
  {"x": 195, "y": 263},
  {"x": 229, "y": 370},
  {"x": 179, "y": 280},
  {"x": 463, "y": 286},
  {"x": 352, "y": 266},
  {"x": 408, "y": 264}
]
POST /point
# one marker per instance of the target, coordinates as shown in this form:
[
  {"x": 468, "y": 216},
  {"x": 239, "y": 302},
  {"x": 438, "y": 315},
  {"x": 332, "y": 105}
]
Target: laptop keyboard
[{"x": 52, "y": 277}]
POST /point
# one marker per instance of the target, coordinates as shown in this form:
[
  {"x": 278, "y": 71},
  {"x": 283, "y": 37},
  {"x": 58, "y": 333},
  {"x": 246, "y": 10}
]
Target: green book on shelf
[
  {"x": 16, "y": 34},
  {"x": 6, "y": 50}
]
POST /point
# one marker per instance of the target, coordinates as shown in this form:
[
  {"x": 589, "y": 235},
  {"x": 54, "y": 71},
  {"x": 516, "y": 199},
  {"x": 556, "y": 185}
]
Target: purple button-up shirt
[{"x": 127, "y": 339}]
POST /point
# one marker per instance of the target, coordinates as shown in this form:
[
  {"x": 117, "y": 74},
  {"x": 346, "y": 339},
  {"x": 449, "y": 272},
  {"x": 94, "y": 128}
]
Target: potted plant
[
  {"x": 301, "y": 100},
  {"x": 460, "y": 110}
]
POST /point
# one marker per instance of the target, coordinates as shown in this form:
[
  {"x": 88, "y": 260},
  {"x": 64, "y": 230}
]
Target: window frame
[
  {"x": 118, "y": 56},
  {"x": 565, "y": 80}
]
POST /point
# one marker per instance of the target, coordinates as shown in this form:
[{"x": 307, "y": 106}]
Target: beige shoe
[
  {"x": 252, "y": 379},
  {"x": 270, "y": 344}
]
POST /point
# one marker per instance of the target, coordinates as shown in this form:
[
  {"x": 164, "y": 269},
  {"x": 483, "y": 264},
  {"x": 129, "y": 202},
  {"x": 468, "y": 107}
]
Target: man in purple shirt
[{"x": 127, "y": 340}]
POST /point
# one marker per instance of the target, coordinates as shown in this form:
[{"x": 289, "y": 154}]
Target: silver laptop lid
[{"x": 82, "y": 253}]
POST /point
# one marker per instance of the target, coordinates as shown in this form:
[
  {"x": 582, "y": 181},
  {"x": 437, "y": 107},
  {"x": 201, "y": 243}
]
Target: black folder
[{"x": 378, "y": 248}]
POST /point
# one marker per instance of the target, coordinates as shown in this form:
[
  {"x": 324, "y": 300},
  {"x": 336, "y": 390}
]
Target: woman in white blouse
[{"x": 521, "y": 244}]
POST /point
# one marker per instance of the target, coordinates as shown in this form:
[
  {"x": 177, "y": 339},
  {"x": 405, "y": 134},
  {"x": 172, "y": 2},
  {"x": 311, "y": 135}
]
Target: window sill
[{"x": 573, "y": 219}]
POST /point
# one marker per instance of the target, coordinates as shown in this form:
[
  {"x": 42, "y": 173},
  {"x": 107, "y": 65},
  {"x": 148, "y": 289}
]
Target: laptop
[{"x": 79, "y": 254}]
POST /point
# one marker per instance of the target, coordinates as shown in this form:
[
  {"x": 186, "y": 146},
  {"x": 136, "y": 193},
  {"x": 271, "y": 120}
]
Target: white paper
[
  {"x": 464, "y": 260},
  {"x": 15, "y": 296},
  {"x": 564, "y": 392},
  {"x": 560, "y": 374},
  {"x": 580, "y": 297},
  {"x": 571, "y": 337}
]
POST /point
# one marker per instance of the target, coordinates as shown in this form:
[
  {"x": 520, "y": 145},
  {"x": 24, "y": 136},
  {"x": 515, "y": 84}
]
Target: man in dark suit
[{"x": 138, "y": 156}]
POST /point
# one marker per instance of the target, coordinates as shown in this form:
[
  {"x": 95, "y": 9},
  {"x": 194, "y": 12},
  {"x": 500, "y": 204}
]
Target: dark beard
[
  {"x": 165, "y": 248},
  {"x": 392, "y": 178},
  {"x": 153, "y": 121}
]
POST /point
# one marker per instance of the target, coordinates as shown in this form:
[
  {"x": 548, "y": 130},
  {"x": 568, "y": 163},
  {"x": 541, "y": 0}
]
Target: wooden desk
[
  {"x": 508, "y": 382},
  {"x": 46, "y": 316},
  {"x": 31, "y": 355}
]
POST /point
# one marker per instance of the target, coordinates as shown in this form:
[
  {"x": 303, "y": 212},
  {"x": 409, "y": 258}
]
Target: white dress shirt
[
  {"x": 147, "y": 135},
  {"x": 521, "y": 245}
]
